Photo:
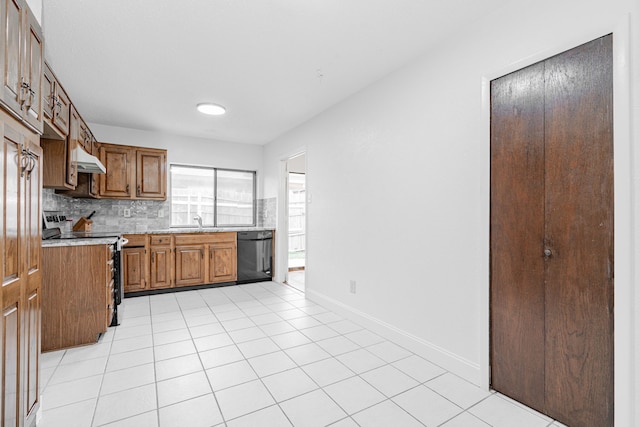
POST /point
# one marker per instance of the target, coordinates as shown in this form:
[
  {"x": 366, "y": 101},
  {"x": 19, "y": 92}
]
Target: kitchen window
[{"x": 221, "y": 197}]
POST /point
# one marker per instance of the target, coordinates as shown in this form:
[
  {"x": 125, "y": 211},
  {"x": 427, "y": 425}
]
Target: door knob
[{"x": 547, "y": 253}]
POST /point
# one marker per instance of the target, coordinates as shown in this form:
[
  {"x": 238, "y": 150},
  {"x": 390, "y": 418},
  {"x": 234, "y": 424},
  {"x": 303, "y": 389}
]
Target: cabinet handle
[
  {"x": 23, "y": 87},
  {"x": 138, "y": 190},
  {"x": 127, "y": 188},
  {"x": 202, "y": 253}
]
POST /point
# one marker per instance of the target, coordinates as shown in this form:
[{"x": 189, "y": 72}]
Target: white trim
[
  {"x": 282, "y": 227},
  {"x": 282, "y": 220},
  {"x": 623, "y": 208},
  {"x": 435, "y": 354}
]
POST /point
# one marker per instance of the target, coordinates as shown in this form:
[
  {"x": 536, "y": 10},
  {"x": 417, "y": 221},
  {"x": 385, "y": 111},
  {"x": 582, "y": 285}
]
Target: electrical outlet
[
  {"x": 127, "y": 212},
  {"x": 161, "y": 213},
  {"x": 352, "y": 286}
]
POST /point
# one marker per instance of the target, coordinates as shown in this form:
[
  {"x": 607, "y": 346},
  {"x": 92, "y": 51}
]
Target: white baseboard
[{"x": 435, "y": 354}]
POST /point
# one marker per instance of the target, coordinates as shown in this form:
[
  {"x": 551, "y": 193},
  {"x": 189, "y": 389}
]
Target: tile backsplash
[
  {"x": 145, "y": 215},
  {"x": 267, "y": 212}
]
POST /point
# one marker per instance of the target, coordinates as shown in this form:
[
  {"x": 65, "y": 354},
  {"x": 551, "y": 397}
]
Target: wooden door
[
  {"x": 62, "y": 110},
  {"x": 12, "y": 277},
  {"x": 161, "y": 261},
  {"x": 190, "y": 265},
  {"x": 119, "y": 163},
  {"x": 151, "y": 174},
  {"x": 134, "y": 268},
  {"x": 48, "y": 94},
  {"x": 11, "y": 60},
  {"x": 94, "y": 189},
  {"x": 73, "y": 142},
  {"x": 34, "y": 62},
  {"x": 552, "y": 235},
  {"x": 222, "y": 262},
  {"x": 33, "y": 239}
]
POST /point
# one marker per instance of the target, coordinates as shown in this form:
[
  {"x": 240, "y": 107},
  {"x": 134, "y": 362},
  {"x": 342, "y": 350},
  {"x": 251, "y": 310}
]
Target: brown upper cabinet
[
  {"x": 151, "y": 174},
  {"x": 22, "y": 63},
  {"x": 86, "y": 184},
  {"x": 60, "y": 161},
  {"x": 56, "y": 106},
  {"x": 133, "y": 172}
]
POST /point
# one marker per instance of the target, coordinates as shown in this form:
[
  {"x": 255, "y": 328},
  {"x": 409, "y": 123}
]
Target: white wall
[
  {"x": 399, "y": 179},
  {"x": 36, "y": 8},
  {"x": 188, "y": 150}
]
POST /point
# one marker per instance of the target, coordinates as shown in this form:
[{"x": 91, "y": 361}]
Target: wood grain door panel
[
  {"x": 517, "y": 221},
  {"x": 579, "y": 221},
  {"x": 33, "y": 257},
  {"x": 190, "y": 265},
  {"x": 11, "y": 364},
  {"x": 13, "y": 280},
  {"x": 33, "y": 71},
  {"x": 119, "y": 163},
  {"x": 134, "y": 269},
  {"x": 161, "y": 261},
  {"x": 151, "y": 174},
  {"x": 222, "y": 263},
  {"x": 13, "y": 31},
  {"x": 552, "y": 235}
]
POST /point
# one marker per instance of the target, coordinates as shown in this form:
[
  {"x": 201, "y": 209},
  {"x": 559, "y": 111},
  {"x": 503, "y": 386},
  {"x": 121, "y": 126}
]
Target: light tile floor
[
  {"x": 296, "y": 278},
  {"x": 256, "y": 355}
]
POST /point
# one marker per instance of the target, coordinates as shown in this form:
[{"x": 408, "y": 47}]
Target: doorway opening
[{"x": 296, "y": 221}]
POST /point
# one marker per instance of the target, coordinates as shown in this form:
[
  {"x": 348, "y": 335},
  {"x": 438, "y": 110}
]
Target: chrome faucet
[{"x": 199, "y": 219}]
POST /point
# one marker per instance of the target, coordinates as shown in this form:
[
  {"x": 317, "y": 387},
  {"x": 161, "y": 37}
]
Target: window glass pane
[
  {"x": 235, "y": 197},
  {"x": 192, "y": 193}
]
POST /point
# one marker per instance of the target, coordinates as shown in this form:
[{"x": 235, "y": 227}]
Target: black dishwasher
[{"x": 255, "y": 256}]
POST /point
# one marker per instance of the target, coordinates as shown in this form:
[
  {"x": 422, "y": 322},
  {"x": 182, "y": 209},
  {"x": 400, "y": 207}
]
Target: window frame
[{"x": 254, "y": 201}]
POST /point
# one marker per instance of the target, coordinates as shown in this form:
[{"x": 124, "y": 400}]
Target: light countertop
[
  {"x": 79, "y": 242},
  {"x": 187, "y": 230}
]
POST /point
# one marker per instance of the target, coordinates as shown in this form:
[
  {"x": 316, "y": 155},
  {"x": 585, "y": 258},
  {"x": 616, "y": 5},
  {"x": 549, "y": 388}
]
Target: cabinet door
[
  {"x": 72, "y": 143},
  {"x": 94, "y": 188},
  {"x": 151, "y": 174},
  {"x": 13, "y": 12},
  {"x": 61, "y": 110},
  {"x": 32, "y": 181},
  {"x": 190, "y": 265},
  {"x": 117, "y": 181},
  {"x": 222, "y": 262},
  {"x": 13, "y": 280},
  {"x": 48, "y": 93},
  {"x": 160, "y": 275},
  {"x": 34, "y": 61},
  {"x": 135, "y": 275}
]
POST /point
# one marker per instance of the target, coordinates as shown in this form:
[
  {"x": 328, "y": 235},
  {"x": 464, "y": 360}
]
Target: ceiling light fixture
[{"x": 211, "y": 109}]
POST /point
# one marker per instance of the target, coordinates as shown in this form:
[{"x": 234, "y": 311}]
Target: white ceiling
[{"x": 274, "y": 64}]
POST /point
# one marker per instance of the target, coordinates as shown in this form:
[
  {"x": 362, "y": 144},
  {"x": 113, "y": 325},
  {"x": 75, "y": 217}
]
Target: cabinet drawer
[
  {"x": 200, "y": 238},
  {"x": 135, "y": 240},
  {"x": 160, "y": 240}
]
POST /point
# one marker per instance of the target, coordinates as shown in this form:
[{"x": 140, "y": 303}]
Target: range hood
[{"x": 88, "y": 163}]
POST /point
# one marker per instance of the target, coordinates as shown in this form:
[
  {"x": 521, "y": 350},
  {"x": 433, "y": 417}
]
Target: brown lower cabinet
[
  {"x": 77, "y": 282},
  {"x": 161, "y": 267},
  {"x": 161, "y": 261},
  {"x": 134, "y": 263}
]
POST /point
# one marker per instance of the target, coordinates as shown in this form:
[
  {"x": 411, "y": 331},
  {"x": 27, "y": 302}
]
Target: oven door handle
[{"x": 121, "y": 242}]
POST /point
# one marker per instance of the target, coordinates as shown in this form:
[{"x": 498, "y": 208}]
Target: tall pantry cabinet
[
  {"x": 21, "y": 123},
  {"x": 20, "y": 156}
]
